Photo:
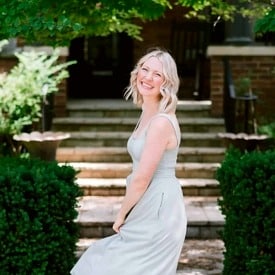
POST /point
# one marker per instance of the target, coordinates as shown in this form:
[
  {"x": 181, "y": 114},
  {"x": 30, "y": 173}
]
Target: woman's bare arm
[{"x": 159, "y": 135}]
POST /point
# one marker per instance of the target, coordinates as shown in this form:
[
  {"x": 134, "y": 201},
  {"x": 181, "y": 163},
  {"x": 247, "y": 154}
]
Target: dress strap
[
  {"x": 138, "y": 122},
  {"x": 173, "y": 122}
]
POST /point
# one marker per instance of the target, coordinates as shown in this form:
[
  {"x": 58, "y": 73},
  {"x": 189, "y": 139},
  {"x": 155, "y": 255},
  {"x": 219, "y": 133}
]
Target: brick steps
[
  {"x": 121, "y": 108},
  {"x": 125, "y": 124},
  {"x": 97, "y": 213},
  {"x": 122, "y": 170},
  {"x": 116, "y": 186},
  {"x": 97, "y": 148},
  {"x": 120, "y": 154},
  {"x": 119, "y": 139}
]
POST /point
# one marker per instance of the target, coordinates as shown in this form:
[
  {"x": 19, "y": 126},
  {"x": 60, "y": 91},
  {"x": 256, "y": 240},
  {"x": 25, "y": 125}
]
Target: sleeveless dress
[{"x": 151, "y": 239}]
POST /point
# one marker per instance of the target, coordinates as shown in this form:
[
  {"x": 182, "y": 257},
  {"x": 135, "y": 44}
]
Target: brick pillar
[
  {"x": 216, "y": 86},
  {"x": 257, "y": 62},
  {"x": 60, "y": 98}
]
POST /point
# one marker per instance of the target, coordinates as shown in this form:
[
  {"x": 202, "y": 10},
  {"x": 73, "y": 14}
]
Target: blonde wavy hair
[{"x": 169, "y": 88}]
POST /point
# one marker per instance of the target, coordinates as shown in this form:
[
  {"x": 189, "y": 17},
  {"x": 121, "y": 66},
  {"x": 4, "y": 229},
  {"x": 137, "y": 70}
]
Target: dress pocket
[{"x": 161, "y": 204}]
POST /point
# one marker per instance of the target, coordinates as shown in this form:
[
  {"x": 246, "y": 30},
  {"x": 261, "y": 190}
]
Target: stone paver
[
  {"x": 198, "y": 257},
  {"x": 201, "y": 257}
]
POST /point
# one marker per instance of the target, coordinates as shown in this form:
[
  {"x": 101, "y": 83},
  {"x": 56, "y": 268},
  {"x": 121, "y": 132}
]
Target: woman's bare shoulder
[{"x": 162, "y": 121}]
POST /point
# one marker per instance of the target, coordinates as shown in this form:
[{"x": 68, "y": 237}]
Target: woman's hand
[{"x": 118, "y": 223}]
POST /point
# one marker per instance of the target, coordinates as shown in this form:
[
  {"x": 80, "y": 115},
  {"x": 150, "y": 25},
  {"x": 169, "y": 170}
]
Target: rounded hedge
[
  {"x": 38, "y": 202},
  {"x": 247, "y": 184}
]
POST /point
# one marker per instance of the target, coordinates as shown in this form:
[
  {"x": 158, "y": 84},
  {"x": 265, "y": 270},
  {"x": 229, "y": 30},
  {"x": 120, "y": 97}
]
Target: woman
[{"x": 151, "y": 223}]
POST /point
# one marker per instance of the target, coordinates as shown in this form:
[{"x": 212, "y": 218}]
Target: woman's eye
[{"x": 144, "y": 69}]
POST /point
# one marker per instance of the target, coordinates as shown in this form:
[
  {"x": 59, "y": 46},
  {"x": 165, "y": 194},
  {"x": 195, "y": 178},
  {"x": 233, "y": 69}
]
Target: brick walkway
[{"x": 201, "y": 257}]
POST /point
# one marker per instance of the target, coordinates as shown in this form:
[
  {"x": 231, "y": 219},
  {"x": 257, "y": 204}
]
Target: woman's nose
[{"x": 149, "y": 75}]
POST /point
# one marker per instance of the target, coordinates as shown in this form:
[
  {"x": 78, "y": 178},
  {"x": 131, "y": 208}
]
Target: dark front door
[
  {"x": 189, "y": 41},
  {"x": 103, "y": 66}
]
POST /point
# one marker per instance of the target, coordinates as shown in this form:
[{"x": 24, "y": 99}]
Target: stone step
[
  {"x": 198, "y": 257},
  {"x": 122, "y": 108},
  {"x": 116, "y": 187},
  {"x": 119, "y": 139},
  {"x": 122, "y": 170},
  {"x": 95, "y": 124},
  {"x": 120, "y": 154},
  {"x": 97, "y": 213}
]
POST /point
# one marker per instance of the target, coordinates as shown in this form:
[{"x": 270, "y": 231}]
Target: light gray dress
[{"x": 150, "y": 241}]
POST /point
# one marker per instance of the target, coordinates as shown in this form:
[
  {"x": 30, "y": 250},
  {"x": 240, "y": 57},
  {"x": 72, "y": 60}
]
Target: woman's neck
[{"x": 150, "y": 108}]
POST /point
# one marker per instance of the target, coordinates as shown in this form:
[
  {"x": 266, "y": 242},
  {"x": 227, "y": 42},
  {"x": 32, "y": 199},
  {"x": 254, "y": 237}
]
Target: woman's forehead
[{"x": 153, "y": 63}]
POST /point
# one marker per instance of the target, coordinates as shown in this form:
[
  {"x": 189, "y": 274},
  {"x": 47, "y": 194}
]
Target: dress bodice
[{"x": 168, "y": 161}]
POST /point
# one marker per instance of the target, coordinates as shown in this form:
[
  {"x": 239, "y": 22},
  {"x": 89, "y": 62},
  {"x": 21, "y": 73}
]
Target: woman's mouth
[{"x": 146, "y": 85}]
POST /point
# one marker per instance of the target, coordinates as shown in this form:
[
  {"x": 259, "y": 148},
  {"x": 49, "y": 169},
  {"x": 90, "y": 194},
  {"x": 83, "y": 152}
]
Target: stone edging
[{"x": 241, "y": 51}]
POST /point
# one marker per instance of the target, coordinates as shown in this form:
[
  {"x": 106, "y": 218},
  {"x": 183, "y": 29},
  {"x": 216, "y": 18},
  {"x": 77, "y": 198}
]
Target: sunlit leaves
[
  {"x": 39, "y": 20},
  {"x": 57, "y": 23},
  {"x": 267, "y": 23}
]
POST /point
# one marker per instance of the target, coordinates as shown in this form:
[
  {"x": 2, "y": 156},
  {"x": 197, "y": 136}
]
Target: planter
[
  {"x": 239, "y": 31},
  {"x": 246, "y": 142},
  {"x": 42, "y": 145}
]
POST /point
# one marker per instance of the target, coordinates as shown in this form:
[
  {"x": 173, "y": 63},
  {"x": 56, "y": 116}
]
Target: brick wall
[
  {"x": 158, "y": 32},
  {"x": 257, "y": 63}
]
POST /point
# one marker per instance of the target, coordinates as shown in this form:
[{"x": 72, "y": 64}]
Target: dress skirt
[{"x": 150, "y": 241}]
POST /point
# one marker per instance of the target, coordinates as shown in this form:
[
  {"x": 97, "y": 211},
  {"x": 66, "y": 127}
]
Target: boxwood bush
[
  {"x": 38, "y": 202},
  {"x": 247, "y": 184}
]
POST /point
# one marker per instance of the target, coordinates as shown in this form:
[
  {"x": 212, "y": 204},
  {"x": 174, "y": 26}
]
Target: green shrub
[
  {"x": 37, "y": 210},
  {"x": 247, "y": 184}
]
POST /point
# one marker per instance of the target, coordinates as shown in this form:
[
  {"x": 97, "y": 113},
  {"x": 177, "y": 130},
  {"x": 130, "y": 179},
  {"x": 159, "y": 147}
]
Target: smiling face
[{"x": 150, "y": 78}]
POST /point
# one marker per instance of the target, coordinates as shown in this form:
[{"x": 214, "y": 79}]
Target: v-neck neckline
[{"x": 138, "y": 134}]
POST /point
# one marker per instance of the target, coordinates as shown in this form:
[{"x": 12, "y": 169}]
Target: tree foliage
[
  {"x": 266, "y": 23},
  {"x": 261, "y": 10},
  {"x": 226, "y": 8},
  {"x": 57, "y": 23}
]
